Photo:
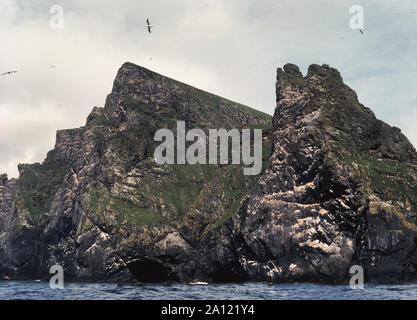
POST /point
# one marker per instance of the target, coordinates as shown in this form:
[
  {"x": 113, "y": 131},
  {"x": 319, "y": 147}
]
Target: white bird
[
  {"x": 148, "y": 25},
  {"x": 8, "y": 72}
]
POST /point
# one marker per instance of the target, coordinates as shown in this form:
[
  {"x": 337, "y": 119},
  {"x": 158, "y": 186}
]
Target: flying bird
[
  {"x": 361, "y": 31},
  {"x": 8, "y": 72},
  {"x": 148, "y": 25}
]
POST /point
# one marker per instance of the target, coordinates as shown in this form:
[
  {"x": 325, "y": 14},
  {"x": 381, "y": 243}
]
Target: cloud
[{"x": 231, "y": 48}]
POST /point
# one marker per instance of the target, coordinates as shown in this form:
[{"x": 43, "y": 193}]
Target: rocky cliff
[
  {"x": 338, "y": 188},
  {"x": 102, "y": 208}
]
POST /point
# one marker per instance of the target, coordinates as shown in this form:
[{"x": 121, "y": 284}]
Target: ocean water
[{"x": 251, "y": 291}]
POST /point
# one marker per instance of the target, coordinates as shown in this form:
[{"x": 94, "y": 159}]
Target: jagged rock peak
[
  {"x": 338, "y": 115},
  {"x": 130, "y": 75},
  {"x": 340, "y": 189},
  {"x": 289, "y": 75},
  {"x": 88, "y": 207},
  {"x": 323, "y": 71},
  {"x": 129, "y": 68},
  {"x": 324, "y": 78},
  {"x": 3, "y": 179}
]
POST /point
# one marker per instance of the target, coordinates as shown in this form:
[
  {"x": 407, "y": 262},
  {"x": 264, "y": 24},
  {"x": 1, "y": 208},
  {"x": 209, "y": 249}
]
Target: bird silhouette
[
  {"x": 8, "y": 72},
  {"x": 361, "y": 31},
  {"x": 148, "y": 25}
]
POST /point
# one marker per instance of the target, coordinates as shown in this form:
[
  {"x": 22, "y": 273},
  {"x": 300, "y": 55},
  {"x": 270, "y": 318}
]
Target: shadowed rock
[
  {"x": 102, "y": 208},
  {"x": 340, "y": 189}
]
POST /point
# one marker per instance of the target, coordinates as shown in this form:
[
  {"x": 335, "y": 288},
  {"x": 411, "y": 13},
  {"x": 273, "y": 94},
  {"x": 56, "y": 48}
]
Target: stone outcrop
[
  {"x": 102, "y": 208},
  {"x": 338, "y": 188}
]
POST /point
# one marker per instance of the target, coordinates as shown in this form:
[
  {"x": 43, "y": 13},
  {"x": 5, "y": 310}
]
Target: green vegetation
[
  {"x": 101, "y": 204},
  {"x": 75, "y": 132},
  {"x": 97, "y": 119},
  {"x": 215, "y": 101},
  {"x": 159, "y": 194},
  {"x": 388, "y": 179},
  {"x": 239, "y": 186},
  {"x": 200, "y": 197},
  {"x": 38, "y": 184}
]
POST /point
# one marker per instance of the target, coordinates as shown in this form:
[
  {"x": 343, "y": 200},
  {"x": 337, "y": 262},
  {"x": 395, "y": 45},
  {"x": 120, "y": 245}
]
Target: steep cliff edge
[
  {"x": 340, "y": 189},
  {"x": 102, "y": 208}
]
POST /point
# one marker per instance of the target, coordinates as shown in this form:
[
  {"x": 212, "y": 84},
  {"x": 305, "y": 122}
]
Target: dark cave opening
[{"x": 150, "y": 270}]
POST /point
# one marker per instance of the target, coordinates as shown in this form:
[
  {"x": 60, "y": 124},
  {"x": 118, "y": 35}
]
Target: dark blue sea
[{"x": 250, "y": 291}]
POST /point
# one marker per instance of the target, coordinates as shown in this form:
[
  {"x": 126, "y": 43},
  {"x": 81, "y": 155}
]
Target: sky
[{"x": 229, "y": 47}]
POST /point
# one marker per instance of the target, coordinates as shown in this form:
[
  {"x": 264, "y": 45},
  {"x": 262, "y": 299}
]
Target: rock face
[
  {"x": 102, "y": 208},
  {"x": 338, "y": 189}
]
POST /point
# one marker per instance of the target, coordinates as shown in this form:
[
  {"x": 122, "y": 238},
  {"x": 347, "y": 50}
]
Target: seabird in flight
[
  {"x": 148, "y": 25},
  {"x": 8, "y": 72}
]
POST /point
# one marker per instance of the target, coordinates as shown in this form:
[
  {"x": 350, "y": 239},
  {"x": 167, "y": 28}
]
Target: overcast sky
[{"x": 231, "y": 48}]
